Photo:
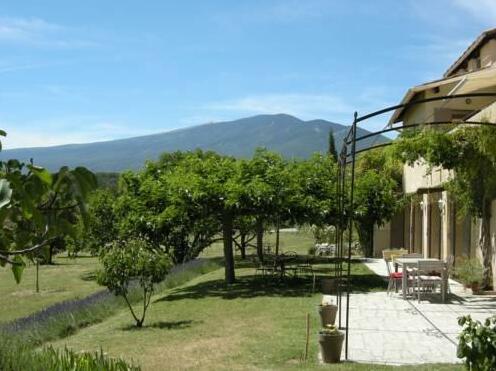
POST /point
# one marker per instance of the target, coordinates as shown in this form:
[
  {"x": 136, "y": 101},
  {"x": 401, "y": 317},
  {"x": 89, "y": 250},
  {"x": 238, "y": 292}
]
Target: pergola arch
[{"x": 346, "y": 186}]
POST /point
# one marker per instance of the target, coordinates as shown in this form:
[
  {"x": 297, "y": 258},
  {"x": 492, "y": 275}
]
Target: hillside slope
[{"x": 288, "y": 135}]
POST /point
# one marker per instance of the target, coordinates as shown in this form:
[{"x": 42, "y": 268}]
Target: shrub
[
  {"x": 469, "y": 271},
  {"x": 133, "y": 262},
  {"x": 477, "y": 343}
]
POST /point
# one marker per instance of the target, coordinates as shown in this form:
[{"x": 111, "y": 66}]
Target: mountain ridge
[{"x": 283, "y": 133}]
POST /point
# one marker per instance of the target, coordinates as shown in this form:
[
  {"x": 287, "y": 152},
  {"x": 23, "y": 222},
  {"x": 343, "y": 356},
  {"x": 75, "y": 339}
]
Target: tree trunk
[
  {"x": 485, "y": 244},
  {"x": 227, "y": 232},
  {"x": 260, "y": 233},
  {"x": 277, "y": 237},
  {"x": 242, "y": 246},
  {"x": 366, "y": 235}
]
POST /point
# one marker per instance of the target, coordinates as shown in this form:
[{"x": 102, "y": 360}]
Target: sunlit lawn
[
  {"x": 298, "y": 242},
  {"x": 254, "y": 324},
  {"x": 204, "y": 324},
  {"x": 66, "y": 279}
]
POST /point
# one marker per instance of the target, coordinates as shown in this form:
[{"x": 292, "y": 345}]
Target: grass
[
  {"x": 66, "y": 318},
  {"x": 66, "y": 279},
  {"x": 253, "y": 324},
  {"x": 298, "y": 242}
]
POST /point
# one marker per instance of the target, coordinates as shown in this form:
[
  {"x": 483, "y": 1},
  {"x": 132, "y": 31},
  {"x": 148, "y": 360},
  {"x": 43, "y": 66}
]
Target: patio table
[{"x": 406, "y": 263}]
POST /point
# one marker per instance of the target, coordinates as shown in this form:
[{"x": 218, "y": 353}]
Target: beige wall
[
  {"x": 486, "y": 114},
  {"x": 419, "y": 176},
  {"x": 488, "y": 53}
]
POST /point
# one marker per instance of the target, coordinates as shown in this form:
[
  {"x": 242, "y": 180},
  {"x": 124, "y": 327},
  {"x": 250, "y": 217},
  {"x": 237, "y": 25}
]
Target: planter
[
  {"x": 475, "y": 286},
  {"x": 331, "y": 345},
  {"x": 327, "y": 314},
  {"x": 328, "y": 285}
]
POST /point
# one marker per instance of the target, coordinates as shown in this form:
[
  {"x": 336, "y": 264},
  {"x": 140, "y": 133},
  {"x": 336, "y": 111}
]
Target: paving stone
[{"x": 389, "y": 330}]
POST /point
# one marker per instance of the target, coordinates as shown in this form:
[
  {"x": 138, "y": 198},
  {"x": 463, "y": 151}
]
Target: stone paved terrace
[{"x": 390, "y": 330}]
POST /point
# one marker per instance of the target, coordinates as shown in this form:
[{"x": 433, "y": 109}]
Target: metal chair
[
  {"x": 393, "y": 277},
  {"x": 425, "y": 277}
]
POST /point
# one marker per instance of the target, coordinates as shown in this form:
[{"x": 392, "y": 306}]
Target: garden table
[{"x": 406, "y": 263}]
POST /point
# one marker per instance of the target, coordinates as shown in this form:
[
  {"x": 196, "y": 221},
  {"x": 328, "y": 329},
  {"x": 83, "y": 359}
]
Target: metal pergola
[{"x": 346, "y": 187}]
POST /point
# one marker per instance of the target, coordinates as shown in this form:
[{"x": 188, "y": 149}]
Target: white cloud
[
  {"x": 305, "y": 106},
  {"x": 38, "y": 32}
]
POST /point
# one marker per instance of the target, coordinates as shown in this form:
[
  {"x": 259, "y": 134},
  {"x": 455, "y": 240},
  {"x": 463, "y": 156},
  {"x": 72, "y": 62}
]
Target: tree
[
  {"x": 129, "y": 263},
  {"x": 38, "y": 208},
  {"x": 156, "y": 203},
  {"x": 245, "y": 227},
  {"x": 265, "y": 191},
  {"x": 471, "y": 153},
  {"x": 313, "y": 197},
  {"x": 208, "y": 186},
  {"x": 377, "y": 194},
  {"x": 102, "y": 227},
  {"x": 332, "y": 152}
]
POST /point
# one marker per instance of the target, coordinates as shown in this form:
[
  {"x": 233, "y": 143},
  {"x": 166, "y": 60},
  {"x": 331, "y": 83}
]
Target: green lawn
[
  {"x": 253, "y": 324},
  {"x": 66, "y": 279},
  {"x": 298, "y": 242}
]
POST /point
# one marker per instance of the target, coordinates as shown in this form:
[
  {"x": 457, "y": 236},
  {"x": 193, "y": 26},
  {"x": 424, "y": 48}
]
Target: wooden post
[
  {"x": 37, "y": 276},
  {"x": 411, "y": 246},
  {"x": 308, "y": 338}
]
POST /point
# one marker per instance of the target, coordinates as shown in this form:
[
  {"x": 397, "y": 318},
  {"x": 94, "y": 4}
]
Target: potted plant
[
  {"x": 327, "y": 312},
  {"x": 331, "y": 344},
  {"x": 470, "y": 273}
]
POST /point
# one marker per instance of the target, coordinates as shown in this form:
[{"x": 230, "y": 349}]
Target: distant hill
[{"x": 288, "y": 135}]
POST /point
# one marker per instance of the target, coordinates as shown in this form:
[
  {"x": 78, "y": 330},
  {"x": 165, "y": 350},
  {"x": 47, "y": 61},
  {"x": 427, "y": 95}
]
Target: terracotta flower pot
[
  {"x": 475, "y": 286},
  {"x": 331, "y": 345},
  {"x": 327, "y": 314}
]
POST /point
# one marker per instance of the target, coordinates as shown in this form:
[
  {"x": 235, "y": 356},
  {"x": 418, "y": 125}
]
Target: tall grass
[{"x": 18, "y": 356}]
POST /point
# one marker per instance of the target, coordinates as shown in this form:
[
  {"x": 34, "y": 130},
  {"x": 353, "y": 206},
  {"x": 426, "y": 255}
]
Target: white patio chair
[{"x": 427, "y": 275}]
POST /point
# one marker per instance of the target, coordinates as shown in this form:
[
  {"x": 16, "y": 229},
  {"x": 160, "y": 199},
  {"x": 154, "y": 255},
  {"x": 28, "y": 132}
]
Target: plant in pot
[
  {"x": 470, "y": 273},
  {"x": 327, "y": 312},
  {"x": 331, "y": 344}
]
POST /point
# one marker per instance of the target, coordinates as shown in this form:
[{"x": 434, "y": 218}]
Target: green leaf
[
  {"x": 18, "y": 268},
  {"x": 5, "y": 193},
  {"x": 43, "y": 174}
]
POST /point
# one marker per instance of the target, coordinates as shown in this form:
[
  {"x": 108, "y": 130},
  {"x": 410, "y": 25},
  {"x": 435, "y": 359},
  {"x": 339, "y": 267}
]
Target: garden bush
[{"x": 477, "y": 343}]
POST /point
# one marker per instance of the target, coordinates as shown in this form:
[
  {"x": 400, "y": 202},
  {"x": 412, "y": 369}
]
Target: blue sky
[{"x": 96, "y": 70}]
